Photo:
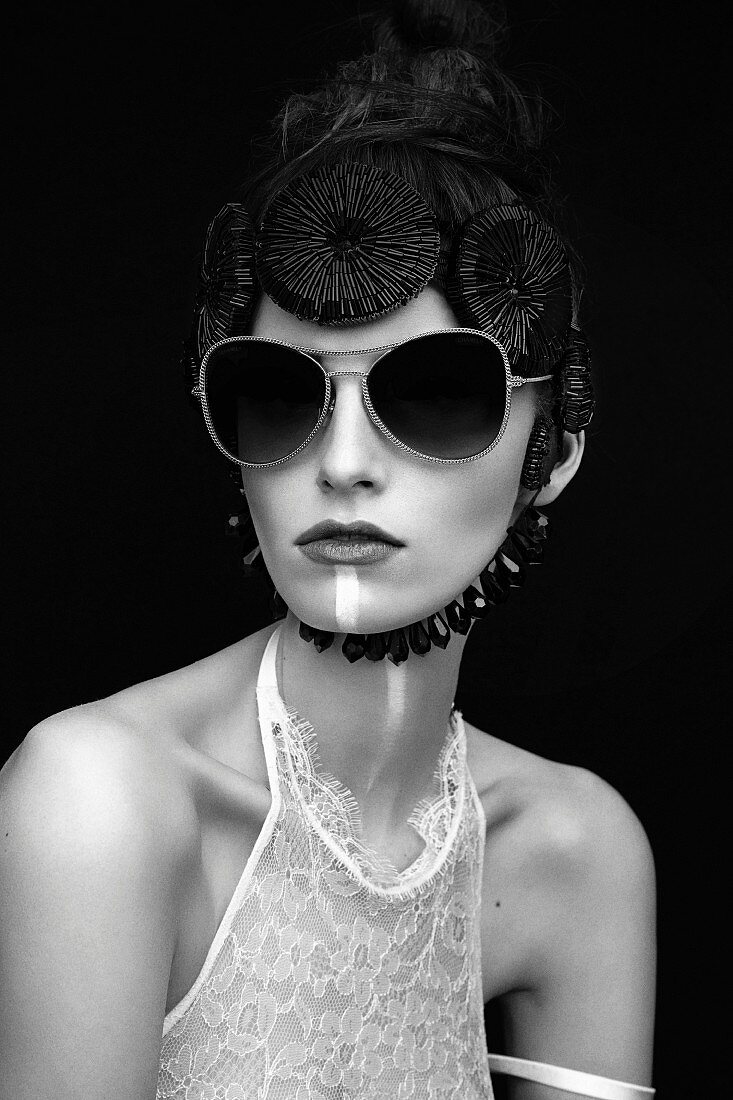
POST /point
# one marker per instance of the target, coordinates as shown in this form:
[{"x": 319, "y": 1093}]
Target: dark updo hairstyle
[{"x": 430, "y": 104}]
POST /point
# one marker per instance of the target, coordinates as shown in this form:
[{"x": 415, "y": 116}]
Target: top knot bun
[{"x": 414, "y": 25}]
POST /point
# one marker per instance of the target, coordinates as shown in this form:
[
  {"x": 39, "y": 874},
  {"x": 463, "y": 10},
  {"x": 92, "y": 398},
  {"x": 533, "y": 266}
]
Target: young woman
[{"x": 294, "y": 859}]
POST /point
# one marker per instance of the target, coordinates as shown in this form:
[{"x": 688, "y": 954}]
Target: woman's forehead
[{"x": 428, "y": 311}]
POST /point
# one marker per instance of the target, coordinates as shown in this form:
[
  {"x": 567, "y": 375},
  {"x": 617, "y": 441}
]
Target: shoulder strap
[
  {"x": 571, "y": 1080},
  {"x": 267, "y": 677},
  {"x": 269, "y": 710}
]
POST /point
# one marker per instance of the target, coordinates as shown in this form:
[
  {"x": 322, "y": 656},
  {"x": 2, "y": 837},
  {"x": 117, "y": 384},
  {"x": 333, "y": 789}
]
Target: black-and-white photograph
[{"x": 366, "y": 557}]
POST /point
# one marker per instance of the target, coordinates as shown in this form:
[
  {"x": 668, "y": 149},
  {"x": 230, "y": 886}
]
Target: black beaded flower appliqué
[
  {"x": 346, "y": 243},
  {"x": 578, "y": 399},
  {"x": 511, "y": 277},
  {"x": 227, "y": 280},
  {"x": 226, "y": 285}
]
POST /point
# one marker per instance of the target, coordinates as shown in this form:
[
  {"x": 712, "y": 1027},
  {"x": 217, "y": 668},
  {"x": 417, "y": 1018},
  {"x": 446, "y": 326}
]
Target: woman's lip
[
  {"x": 359, "y": 529},
  {"x": 348, "y": 551}
]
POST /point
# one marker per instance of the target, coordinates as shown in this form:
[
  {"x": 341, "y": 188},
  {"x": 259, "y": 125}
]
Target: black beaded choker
[{"x": 522, "y": 546}]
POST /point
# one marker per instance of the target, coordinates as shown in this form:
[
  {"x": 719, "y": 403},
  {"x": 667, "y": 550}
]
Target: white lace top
[{"x": 333, "y": 975}]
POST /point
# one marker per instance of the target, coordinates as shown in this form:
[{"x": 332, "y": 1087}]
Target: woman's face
[{"x": 449, "y": 519}]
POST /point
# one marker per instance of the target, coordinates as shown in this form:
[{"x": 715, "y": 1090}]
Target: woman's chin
[
  {"x": 368, "y": 624},
  {"x": 349, "y": 603},
  {"x": 372, "y": 621}
]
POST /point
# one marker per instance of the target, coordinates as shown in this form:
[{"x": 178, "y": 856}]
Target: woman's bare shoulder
[
  {"x": 569, "y": 886},
  {"x": 553, "y": 816},
  {"x": 139, "y": 752},
  {"x": 185, "y": 703},
  {"x": 86, "y": 777}
]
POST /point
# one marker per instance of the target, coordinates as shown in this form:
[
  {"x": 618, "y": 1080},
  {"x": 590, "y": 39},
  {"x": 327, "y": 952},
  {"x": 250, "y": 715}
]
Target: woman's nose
[{"x": 350, "y": 446}]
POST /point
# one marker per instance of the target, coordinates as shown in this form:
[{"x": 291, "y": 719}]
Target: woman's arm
[
  {"x": 588, "y": 939},
  {"x": 91, "y": 849}
]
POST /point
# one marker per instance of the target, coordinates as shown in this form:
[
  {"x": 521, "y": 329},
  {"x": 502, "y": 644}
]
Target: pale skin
[{"x": 126, "y": 822}]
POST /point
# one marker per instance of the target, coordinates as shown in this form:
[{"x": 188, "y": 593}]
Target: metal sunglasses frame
[{"x": 512, "y": 382}]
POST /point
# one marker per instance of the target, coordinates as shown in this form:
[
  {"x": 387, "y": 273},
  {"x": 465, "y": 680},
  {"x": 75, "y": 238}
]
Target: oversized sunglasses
[{"x": 444, "y": 395}]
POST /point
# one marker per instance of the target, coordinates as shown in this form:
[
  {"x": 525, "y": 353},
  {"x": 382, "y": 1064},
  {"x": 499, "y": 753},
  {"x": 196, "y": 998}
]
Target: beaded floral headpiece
[{"x": 348, "y": 242}]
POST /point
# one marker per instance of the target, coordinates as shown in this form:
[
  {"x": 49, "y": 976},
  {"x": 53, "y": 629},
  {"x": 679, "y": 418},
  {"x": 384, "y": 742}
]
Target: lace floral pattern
[
  {"x": 338, "y": 976},
  {"x": 333, "y": 812}
]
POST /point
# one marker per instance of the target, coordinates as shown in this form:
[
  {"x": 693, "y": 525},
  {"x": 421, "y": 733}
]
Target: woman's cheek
[
  {"x": 278, "y": 525},
  {"x": 474, "y": 525}
]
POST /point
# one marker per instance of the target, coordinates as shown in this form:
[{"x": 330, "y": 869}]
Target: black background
[{"x": 128, "y": 131}]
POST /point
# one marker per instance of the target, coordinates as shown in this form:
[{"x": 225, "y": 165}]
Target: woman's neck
[{"x": 379, "y": 728}]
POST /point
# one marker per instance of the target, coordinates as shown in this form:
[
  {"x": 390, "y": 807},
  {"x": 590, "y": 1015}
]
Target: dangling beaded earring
[
  {"x": 278, "y": 607},
  {"x": 240, "y": 526},
  {"x": 538, "y": 448}
]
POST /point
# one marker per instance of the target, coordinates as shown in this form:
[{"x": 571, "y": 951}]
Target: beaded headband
[{"x": 348, "y": 242}]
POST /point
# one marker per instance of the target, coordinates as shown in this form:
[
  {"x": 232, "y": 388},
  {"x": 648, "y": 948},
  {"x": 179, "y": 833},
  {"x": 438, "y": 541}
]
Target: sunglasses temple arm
[{"x": 515, "y": 380}]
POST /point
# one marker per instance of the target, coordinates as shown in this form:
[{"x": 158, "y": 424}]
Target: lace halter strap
[
  {"x": 330, "y": 807},
  {"x": 267, "y": 676}
]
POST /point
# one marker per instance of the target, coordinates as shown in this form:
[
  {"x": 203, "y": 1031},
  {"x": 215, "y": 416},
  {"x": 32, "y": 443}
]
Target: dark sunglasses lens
[
  {"x": 443, "y": 395},
  {"x": 264, "y": 399}
]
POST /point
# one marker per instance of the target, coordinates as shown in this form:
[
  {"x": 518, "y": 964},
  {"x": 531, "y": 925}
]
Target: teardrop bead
[
  {"x": 239, "y": 524},
  {"x": 323, "y": 639},
  {"x": 506, "y": 575},
  {"x": 376, "y": 646},
  {"x": 353, "y": 647},
  {"x": 457, "y": 617},
  {"x": 475, "y": 603},
  {"x": 418, "y": 638},
  {"x": 496, "y": 590},
  {"x": 531, "y": 552},
  {"x": 397, "y": 650},
  {"x": 438, "y": 630}
]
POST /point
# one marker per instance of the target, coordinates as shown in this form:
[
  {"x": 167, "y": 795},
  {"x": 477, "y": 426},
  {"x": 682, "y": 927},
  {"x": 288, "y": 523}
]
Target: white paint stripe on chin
[{"x": 347, "y": 599}]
